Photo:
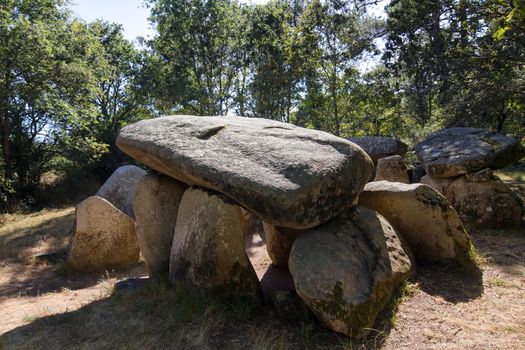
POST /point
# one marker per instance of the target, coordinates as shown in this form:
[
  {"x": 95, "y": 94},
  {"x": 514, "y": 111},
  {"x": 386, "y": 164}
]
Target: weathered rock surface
[
  {"x": 119, "y": 189},
  {"x": 104, "y": 237},
  {"x": 392, "y": 169},
  {"x": 208, "y": 247},
  {"x": 423, "y": 217},
  {"x": 438, "y": 184},
  {"x": 489, "y": 203},
  {"x": 379, "y": 146},
  {"x": 458, "y": 151},
  {"x": 156, "y": 205},
  {"x": 251, "y": 224},
  {"x": 347, "y": 269},
  {"x": 287, "y": 175},
  {"x": 279, "y": 242}
]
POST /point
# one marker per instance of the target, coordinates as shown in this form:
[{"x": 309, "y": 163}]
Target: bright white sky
[{"x": 133, "y": 14}]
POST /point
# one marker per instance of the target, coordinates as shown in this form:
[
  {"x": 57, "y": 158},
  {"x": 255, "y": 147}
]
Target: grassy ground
[{"x": 44, "y": 308}]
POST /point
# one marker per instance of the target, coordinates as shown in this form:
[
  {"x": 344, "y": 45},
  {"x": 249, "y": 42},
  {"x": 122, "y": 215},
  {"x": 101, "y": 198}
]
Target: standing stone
[
  {"x": 279, "y": 242},
  {"x": 380, "y": 146},
  {"x": 347, "y": 269},
  {"x": 156, "y": 205},
  {"x": 208, "y": 247},
  {"x": 458, "y": 151},
  {"x": 287, "y": 175},
  {"x": 251, "y": 224},
  {"x": 438, "y": 184},
  {"x": 423, "y": 217},
  {"x": 392, "y": 169},
  {"x": 487, "y": 204},
  {"x": 119, "y": 189},
  {"x": 104, "y": 237}
]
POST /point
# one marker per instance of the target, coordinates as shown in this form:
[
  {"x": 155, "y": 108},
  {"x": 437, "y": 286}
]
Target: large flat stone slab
[
  {"x": 287, "y": 175},
  {"x": 379, "y": 147},
  {"x": 458, "y": 151}
]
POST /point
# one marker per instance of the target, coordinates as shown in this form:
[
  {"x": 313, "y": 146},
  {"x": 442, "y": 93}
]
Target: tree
[
  {"x": 197, "y": 53},
  {"x": 46, "y": 83}
]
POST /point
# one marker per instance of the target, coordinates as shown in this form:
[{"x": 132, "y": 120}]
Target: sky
[{"x": 133, "y": 15}]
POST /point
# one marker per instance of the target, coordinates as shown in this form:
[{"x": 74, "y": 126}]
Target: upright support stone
[
  {"x": 392, "y": 169},
  {"x": 347, "y": 269},
  {"x": 279, "y": 242},
  {"x": 208, "y": 247},
  {"x": 156, "y": 205},
  {"x": 120, "y": 188},
  {"x": 104, "y": 237},
  {"x": 423, "y": 217}
]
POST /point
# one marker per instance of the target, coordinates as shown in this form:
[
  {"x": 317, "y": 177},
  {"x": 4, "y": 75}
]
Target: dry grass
[
  {"x": 23, "y": 236},
  {"x": 441, "y": 308}
]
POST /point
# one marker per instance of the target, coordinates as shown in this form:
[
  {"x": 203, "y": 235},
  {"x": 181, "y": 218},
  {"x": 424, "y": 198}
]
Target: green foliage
[
  {"x": 67, "y": 87},
  {"x": 65, "y": 90}
]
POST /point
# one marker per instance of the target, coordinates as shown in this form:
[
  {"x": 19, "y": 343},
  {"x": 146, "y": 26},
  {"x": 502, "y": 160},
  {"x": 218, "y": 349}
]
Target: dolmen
[
  {"x": 459, "y": 163},
  {"x": 213, "y": 179}
]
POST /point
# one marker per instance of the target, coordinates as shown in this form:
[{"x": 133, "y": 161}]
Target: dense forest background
[{"x": 67, "y": 86}]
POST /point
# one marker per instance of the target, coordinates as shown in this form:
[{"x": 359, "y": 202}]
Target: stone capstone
[
  {"x": 287, "y": 175},
  {"x": 380, "y": 146},
  {"x": 457, "y": 151}
]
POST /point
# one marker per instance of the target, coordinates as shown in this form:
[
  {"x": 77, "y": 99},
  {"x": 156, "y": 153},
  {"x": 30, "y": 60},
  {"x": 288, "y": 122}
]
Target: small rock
[
  {"x": 439, "y": 185},
  {"x": 279, "y": 242},
  {"x": 289, "y": 306},
  {"x": 392, "y": 169}
]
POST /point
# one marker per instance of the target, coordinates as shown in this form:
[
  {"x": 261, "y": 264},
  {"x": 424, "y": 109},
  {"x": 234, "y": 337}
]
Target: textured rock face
[
  {"x": 287, "y": 175},
  {"x": 119, "y": 189},
  {"x": 156, "y": 205},
  {"x": 439, "y": 185},
  {"x": 379, "y": 146},
  {"x": 208, "y": 247},
  {"x": 488, "y": 203},
  {"x": 347, "y": 269},
  {"x": 458, "y": 151},
  {"x": 251, "y": 224},
  {"x": 279, "y": 242},
  {"x": 392, "y": 169},
  {"x": 423, "y": 217},
  {"x": 104, "y": 237}
]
